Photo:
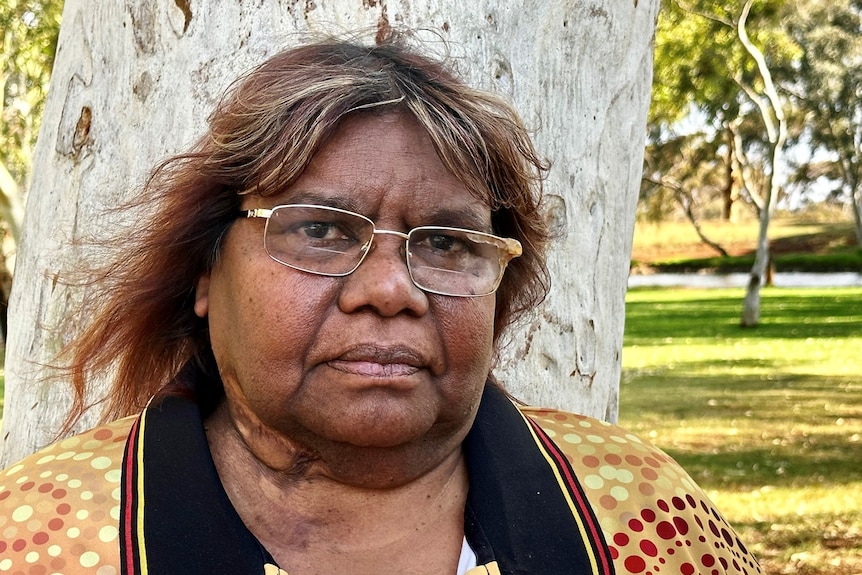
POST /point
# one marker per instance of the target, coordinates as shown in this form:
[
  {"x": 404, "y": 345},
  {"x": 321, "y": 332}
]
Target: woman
[{"x": 310, "y": 319}]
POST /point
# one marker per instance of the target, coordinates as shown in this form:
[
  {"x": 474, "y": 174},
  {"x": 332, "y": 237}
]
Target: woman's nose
[{"x": 382, "y": 282}]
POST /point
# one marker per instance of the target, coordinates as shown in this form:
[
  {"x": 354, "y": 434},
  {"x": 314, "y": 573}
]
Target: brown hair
[{"x": 260, "y": 139}]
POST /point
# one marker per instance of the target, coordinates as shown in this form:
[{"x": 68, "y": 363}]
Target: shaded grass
[
  {"x": 767, "y": 420},
  {"x": 845, "y": 260}
]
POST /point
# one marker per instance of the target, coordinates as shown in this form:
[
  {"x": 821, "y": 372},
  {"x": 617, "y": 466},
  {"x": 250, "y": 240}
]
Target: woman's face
[{"x": 357, "y": 371}]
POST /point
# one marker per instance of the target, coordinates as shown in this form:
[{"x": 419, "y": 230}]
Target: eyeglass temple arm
[
  {"x": 255, "y": 213},
  {"x": 512, "y": 246}
]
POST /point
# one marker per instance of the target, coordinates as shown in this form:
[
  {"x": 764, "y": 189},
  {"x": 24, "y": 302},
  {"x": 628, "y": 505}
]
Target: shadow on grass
[
  {"x": 769, "y": 418},
  {"x": 820, "y": 461},
  {"x": 744, "y": 433}
]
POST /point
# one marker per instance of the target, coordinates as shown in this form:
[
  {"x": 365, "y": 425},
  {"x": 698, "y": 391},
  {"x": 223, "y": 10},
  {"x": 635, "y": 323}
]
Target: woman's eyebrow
[
  {"x": 343, "y": 202},
  {"x": 464, "y": 217}
]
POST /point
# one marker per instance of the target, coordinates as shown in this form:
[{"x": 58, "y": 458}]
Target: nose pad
[
  {"x": 370, "y": 248},
  {"x": 383, "y": 284}
]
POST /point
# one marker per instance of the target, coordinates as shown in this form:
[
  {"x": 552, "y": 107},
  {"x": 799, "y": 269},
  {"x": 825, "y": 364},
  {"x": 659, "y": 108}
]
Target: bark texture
[{"x": 134, "y": 81}]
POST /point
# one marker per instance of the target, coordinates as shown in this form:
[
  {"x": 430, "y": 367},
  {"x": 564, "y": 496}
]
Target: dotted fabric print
[
  {"x": 59, "y": 508},
  {"x": 655, "y": 519}
]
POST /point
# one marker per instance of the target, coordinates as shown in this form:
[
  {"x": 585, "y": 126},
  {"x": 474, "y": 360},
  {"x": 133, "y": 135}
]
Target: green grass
[{"x": 768, "y": 420}]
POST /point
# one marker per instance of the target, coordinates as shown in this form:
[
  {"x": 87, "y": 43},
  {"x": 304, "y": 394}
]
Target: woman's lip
[
  {"x": 375, "y": 360},
  {"x": 373, "y": 369},
  {"x": 383, "y": 354}
]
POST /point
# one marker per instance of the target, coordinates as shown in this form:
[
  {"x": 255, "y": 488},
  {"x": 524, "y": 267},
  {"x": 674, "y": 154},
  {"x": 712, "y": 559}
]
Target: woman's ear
[{"x": 202, "y": 296}]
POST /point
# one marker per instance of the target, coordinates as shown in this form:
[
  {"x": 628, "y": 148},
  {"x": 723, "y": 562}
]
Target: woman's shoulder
[
  {"x": 606, "y": 455},
  {"x": 654, "y": 516},
  {"x": 580, "y": 436},
  {"x": 62, "y": 503},
  {"x": 100, "y": 448}
]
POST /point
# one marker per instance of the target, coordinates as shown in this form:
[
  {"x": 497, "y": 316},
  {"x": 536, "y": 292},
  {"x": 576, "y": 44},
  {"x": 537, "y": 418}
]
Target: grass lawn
[{"x": 768, "y": 420}]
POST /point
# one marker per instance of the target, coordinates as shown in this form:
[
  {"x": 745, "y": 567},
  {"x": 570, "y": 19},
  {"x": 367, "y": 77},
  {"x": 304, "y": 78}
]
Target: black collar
[{"x": 525, "y": 509}]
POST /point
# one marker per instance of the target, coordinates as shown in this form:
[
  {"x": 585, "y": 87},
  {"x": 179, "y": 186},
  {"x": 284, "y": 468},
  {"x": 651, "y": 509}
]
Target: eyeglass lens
[{"x": 333, "y": 242}]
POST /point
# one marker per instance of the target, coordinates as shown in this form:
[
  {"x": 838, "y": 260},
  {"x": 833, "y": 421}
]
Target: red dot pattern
[
  {"x": 660, "y": 522},
  {"x": 54, "y": 518},
  {"x": 59, "y": 507}
]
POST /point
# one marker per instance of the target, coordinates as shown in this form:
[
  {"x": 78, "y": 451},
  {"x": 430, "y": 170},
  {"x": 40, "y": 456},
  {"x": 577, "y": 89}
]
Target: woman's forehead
[{"x": 373, "y": 162}]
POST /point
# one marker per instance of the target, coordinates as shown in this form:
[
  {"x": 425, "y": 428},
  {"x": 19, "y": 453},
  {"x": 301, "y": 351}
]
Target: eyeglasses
[{"x": 333, "y": 242}]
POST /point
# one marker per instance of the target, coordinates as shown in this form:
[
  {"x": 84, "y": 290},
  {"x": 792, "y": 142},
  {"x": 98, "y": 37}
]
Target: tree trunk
[
  {"x": 728, "y": 193},
  {"x": 751, "y": 303},
  {"x": 134, "y": 81},
  {"x": 772, "y": 112},
  {"x": 856, "y": 199}
]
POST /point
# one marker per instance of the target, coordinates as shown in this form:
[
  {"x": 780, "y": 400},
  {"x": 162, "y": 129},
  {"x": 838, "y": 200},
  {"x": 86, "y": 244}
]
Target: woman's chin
[
  {"x": 384, "y": 451},
  {"x": 380, "y": 431}
]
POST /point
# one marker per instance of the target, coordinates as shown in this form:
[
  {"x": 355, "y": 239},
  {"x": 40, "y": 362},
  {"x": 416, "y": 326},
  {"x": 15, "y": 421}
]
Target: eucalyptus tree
[
  {"x": 697, "y": 99},
  {"x": 827, "y": 88},
  {"x": 714, "y": 60}
]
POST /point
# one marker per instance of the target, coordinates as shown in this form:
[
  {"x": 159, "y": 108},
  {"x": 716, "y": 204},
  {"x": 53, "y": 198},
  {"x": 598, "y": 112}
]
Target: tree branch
[
  {"x": 711, "y": 17},
  {"x": 741, "y": 165},
  {"x": 762, "y": 105},
  {"x": 763, "y": 68},
  {"x": 683, "y": 198}
]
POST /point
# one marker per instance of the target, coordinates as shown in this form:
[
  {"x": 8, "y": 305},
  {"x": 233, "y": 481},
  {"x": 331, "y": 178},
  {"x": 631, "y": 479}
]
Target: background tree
[
  {"x": 727, "y": 84},
  {"x": 762, "y": 92},
  {"x": 29, "y": 41},
  {"x": 682, "y": 172},
  {"x": 696, "y": 92},
  {"x": 826, "y": 87},
  {"x": 135, "y": 80}
]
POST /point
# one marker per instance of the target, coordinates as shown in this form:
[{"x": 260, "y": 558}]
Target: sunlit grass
[{"x": 767, "y": 420}]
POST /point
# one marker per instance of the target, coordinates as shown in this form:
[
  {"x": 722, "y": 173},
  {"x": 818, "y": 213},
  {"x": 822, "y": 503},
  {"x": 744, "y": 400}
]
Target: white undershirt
[{"x": 468, "y": 558}]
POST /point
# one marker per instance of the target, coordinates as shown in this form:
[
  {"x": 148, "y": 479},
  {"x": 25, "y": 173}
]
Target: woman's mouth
[
  {"x": 373, "y": 368},
  {"x": 372, "y": 360}
]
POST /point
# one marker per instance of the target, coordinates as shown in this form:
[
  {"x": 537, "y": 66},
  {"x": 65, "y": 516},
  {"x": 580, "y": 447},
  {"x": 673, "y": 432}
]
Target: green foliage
[
  {"x": 827, "y": 88},
  {"x": 767, "y": 420},
  {"x": 698, "y": 57},
  {"x": 813, "y": 49},
  {"x": 683, "y": 171},
  {"x": 705, "y": 76},
  {"x": 30, "y": 30}
]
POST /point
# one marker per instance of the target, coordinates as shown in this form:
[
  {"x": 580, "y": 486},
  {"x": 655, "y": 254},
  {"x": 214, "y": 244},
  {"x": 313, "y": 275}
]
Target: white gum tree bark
[{"x": 134, "y": 81}]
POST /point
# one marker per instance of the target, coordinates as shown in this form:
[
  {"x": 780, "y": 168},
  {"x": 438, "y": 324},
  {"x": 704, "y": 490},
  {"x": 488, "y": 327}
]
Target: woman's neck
[{"x": 312, "y": 523}]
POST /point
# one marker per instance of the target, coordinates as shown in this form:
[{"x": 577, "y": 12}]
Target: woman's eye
[
  {"x": 441, "y": 242},
  {"x": 321, "y": 230},
  {"x": 449, "y": 245}
]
